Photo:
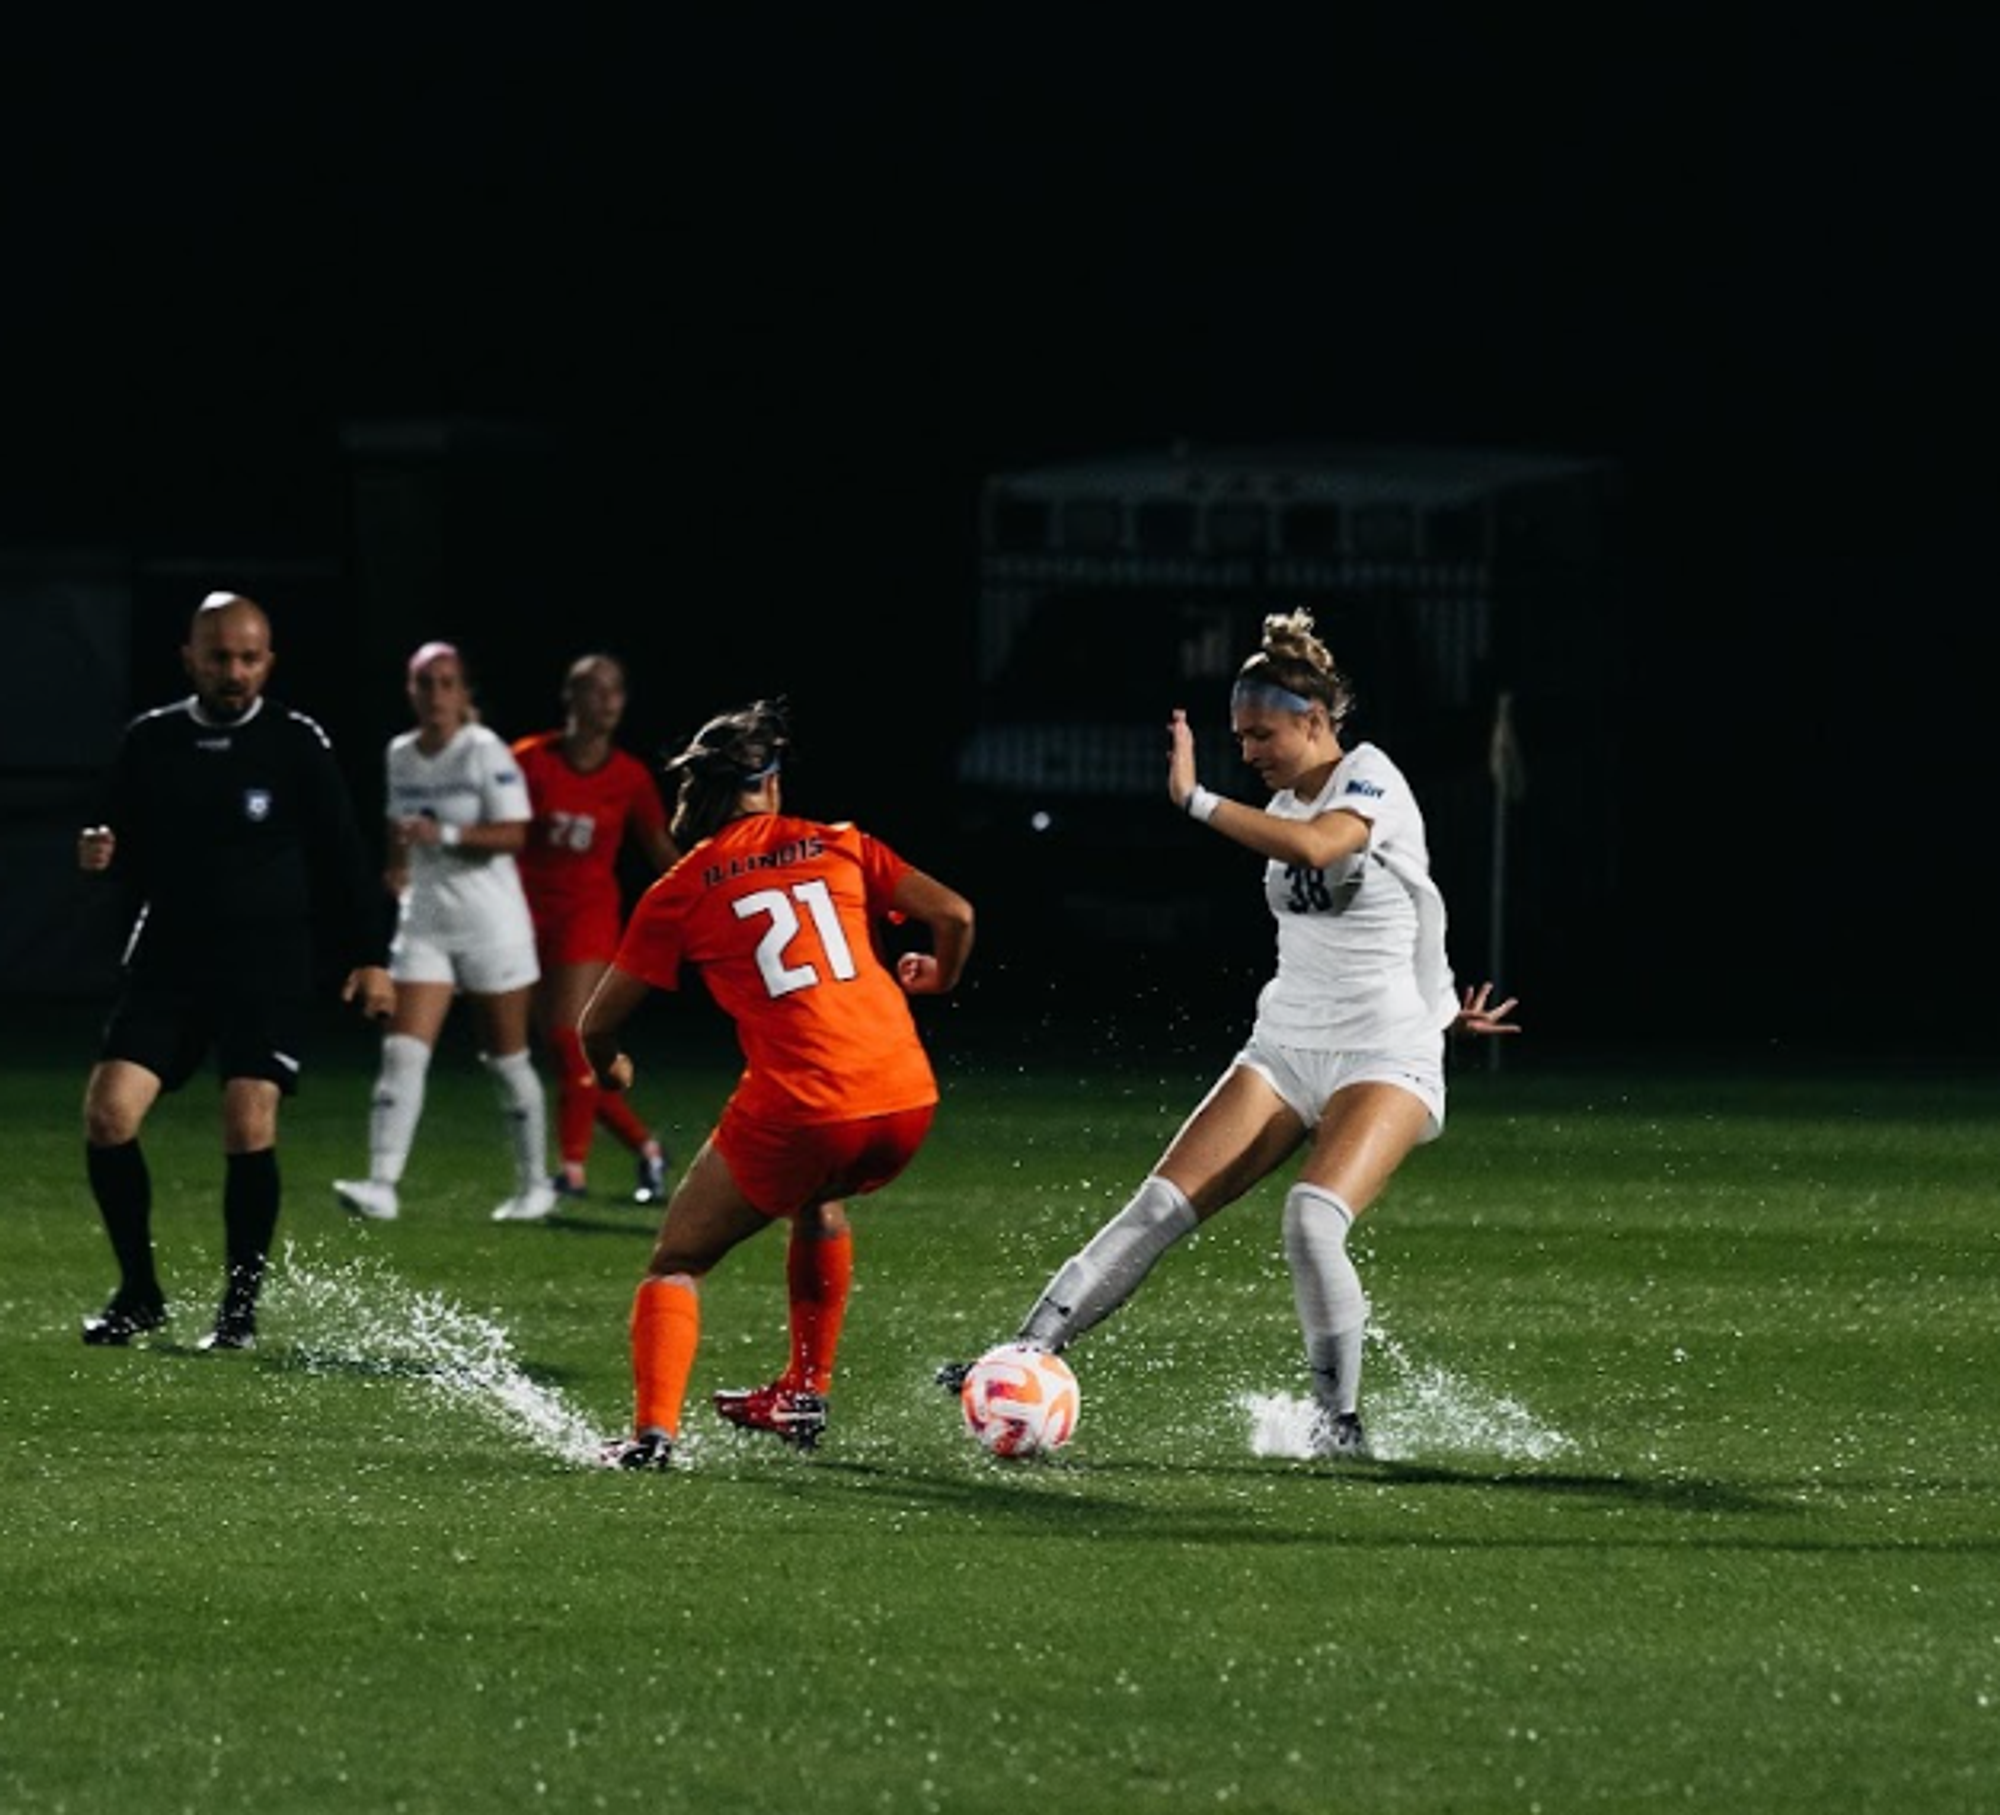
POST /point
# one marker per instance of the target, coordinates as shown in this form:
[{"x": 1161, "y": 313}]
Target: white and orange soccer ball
[{"x": 1020, "y": 1401}]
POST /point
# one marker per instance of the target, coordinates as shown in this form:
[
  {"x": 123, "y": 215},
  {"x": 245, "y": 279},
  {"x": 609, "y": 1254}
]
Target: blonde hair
[{"x": 1295, "y": 660}]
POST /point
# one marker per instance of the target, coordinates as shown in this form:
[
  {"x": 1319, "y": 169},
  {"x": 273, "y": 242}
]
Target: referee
[{"x": 229, "y": 824}]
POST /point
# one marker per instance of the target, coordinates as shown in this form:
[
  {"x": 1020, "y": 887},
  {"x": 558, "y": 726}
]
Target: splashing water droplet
[
  {"x": 1418, "y": 1408},
  {"x": 360, "y": 1317}
]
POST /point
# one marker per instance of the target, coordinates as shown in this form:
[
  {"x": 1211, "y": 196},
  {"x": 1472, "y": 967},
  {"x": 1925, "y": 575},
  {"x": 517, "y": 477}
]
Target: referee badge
[{"x": 256, "y": 804}]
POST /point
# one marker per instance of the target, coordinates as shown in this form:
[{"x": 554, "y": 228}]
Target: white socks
[
  {"x": 397, "y": 1105},
  {"x": 1093, "y": 1284},
  {"x": 1333, "y": 1311},
  {"x": 526, "y": 1107}
]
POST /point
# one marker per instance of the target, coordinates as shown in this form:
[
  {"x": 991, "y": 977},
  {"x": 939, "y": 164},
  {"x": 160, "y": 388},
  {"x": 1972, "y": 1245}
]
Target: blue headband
[
  {"x": 757, "y": 775},
  {"x": 1270, "y": 695}
]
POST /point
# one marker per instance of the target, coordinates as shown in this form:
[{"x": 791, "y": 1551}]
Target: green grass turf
[{"x": 1688, "y": 1497}]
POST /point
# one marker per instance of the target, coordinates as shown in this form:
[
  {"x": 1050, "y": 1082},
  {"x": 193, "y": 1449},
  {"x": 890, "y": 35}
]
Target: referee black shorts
[{"x": 253, "y": 1031}]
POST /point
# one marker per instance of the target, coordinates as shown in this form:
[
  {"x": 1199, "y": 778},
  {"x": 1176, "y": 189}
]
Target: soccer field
[{"x": 1685, "y": 1494}]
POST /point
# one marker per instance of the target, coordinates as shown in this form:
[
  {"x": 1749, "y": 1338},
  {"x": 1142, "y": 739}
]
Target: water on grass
[
  {"x": 360, "y": 1317},
  {"x": 1414, "y": 1409}
]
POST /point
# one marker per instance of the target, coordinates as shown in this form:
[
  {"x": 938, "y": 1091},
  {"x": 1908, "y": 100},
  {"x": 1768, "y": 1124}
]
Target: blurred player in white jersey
[
  {"x": 1346, "y": 1058},
  {"x": 458, "y": 812}
]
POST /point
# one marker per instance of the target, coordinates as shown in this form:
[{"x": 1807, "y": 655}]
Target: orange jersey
[
  {"x": 778, "y": 916},
  {"x": 570, "y": 863}
]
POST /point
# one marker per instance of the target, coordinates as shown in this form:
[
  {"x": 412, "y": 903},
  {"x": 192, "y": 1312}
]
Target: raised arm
[{"x": 1312, "y": 843}]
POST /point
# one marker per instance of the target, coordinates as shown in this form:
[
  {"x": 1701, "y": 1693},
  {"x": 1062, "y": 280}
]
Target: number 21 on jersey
[{"x": 784, "y": 957}]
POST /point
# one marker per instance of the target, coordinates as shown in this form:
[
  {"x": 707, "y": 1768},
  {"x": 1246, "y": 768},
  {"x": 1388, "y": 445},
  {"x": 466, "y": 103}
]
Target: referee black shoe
[
  {"x": 122, "y": 1319},
  {"x": 235, "y": 1328}
]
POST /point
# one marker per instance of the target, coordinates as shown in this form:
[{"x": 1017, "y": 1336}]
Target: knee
[
  {"x": 404, "y": 1058},
  {"x": 113, "y": 1112},
  {"x": 107, "y": 1123}
]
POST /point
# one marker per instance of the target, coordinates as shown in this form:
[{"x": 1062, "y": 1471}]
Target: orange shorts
[
  {"x": 784, "y": 1167},
  {"x": 586, "y": 935}
]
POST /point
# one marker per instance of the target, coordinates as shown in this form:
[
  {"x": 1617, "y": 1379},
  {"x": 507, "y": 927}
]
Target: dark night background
[{"x": 769, "y": 294}]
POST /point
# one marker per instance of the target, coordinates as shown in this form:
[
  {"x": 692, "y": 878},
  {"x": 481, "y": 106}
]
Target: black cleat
[
  {"x": 649, "y": 1450},
  {"x": 121, "y": 1320},
  {"x": 235, "y": 1328},
  {"x": 1338, "y": 1437},
  {"x": 652, "y": 1185},
  {"x": 952, "y": 1376}
]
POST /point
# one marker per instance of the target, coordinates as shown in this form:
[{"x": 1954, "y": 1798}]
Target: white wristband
[
  {"x": 449, "y": 834},
  {"x": 1201, "y": 804}
]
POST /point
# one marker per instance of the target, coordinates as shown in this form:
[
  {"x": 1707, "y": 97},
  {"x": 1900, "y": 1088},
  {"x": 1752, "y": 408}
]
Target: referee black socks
[{"x": 123, "y": 1189}]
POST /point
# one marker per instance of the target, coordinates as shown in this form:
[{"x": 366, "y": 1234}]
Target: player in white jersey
[
  {"x": 458, "y": 811},
  {"x": 1346, "y": 1058}
]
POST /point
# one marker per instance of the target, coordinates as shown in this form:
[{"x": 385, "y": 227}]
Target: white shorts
[
  {"x": 480, "y": 970},
  {"x": 1307, "y": 1077}
]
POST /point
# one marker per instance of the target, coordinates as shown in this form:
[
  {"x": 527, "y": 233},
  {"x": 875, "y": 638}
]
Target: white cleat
[
  {"x": 530, "y": 1206},
  {"x": 376, "y": 1203}
]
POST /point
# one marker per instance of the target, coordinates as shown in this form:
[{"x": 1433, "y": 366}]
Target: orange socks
[
  {"x": 666, "y": 1325},
  {"x": 818, "y": 1274}
]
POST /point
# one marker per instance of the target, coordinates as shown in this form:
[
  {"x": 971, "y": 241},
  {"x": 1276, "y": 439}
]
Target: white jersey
[
  {"x": 1361, "y": 958},
  {"x": 458, "y": 896}
]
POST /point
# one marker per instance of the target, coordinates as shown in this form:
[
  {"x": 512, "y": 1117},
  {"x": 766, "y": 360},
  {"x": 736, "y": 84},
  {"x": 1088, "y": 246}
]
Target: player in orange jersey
[
  {"x": 779, "y": 916},
  {"x": 589, "y": 798}
]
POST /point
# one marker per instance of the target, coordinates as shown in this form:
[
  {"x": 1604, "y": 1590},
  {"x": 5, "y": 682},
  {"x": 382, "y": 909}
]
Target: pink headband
[{"x": 430, "y": 653}]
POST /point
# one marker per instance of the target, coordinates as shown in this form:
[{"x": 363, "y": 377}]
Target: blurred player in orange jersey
[
  {"x": 589, "y": 797},
  {"x": 778, "y": 915}
]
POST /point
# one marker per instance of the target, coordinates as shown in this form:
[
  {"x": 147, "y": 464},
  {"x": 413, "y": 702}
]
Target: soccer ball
[{"x": 1020, "y": 1401}]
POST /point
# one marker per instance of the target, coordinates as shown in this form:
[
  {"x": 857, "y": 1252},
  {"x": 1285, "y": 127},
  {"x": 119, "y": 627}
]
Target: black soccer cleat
[
  {"x": 649, "y": 1450},
  {"x": 651, "y": 1187},
  {"x": 235, "y": 1329},
  {"x": 122, "y": 1319},
  {"x": 1338, "y": 1437},
  {"x": 952, "y": 1376}
]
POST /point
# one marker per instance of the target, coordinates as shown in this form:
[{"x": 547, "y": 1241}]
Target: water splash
[
  {"x": 360, "y": 1317},
  {"x": 1414, "y": 1408}
]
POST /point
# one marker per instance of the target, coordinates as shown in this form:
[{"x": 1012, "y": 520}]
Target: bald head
[
  {"x": 228, "y": 655},
  {"x": 230, "y": 608}
]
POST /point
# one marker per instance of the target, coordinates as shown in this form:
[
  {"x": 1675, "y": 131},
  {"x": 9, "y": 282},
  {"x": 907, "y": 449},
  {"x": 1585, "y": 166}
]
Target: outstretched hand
[
  {"x": 1180, "y": 758},
  {"x": 1478, "y": 1014}
]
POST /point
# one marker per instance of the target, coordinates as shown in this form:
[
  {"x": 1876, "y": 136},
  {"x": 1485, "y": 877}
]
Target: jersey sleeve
[
  {"x": 354, "y": 907},
  {"x": 503, "y": 788},
  {"x": 121, "y": 809},
  {"x": 1366, "y": 786},
  {"x": 881, "y": 870},
  {"x": 656, "y": 935}
]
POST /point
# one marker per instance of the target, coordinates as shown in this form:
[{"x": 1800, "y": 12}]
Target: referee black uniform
[{"x": 248, "y": 883}]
